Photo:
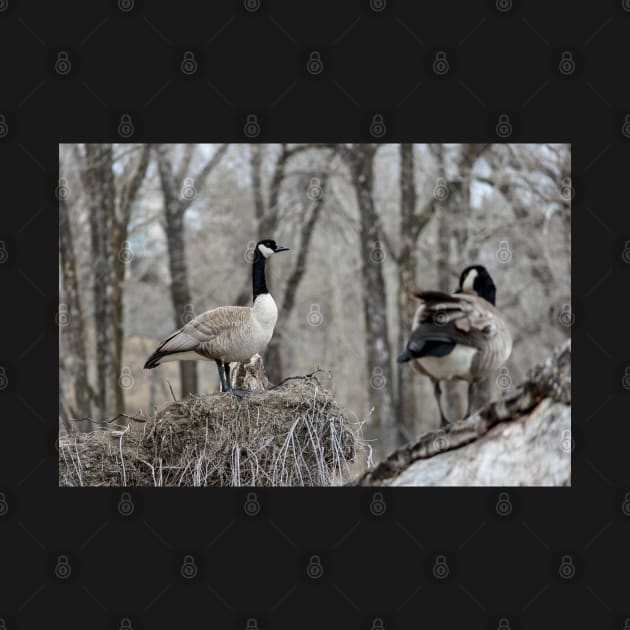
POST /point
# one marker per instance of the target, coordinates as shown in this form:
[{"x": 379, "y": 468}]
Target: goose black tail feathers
[
  {"x": 435, "y": 296},
  {"x": 154, "y": 360}
]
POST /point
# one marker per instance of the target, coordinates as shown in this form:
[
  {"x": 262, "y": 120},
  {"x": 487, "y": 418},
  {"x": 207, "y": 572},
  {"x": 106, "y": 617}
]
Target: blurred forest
[{"x": 151, "y": 235}]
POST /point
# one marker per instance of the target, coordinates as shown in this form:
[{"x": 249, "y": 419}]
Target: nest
[{"x": 295, "y": 435}]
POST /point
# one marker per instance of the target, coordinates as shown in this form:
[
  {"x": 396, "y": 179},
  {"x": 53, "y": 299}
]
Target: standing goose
[
  {"x": 228, "y": 333},
  {"x": 460, "y": 336}
]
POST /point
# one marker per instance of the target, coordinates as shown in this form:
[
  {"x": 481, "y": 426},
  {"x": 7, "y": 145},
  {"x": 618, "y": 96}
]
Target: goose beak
[{"x": 281, "y": 248}]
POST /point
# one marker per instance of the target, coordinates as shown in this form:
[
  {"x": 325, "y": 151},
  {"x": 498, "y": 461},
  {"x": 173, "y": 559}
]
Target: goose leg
[
  {"x": 221, "y": 376},
  {"x": 437, "y": 392},
  {"x": 226, "y": 370},
  {"x": 237, "y": 392},
  {"x": 471, "y": 395}
]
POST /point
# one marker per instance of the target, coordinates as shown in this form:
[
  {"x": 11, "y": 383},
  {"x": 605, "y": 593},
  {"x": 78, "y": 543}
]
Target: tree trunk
[
  {"x": 446, "y": 198},
  {"x": 71, "y": 323},
  {"x": 175, "y": 209},
  {"x": 250, "y": 376},
  {"x": 118, "y": 273},
  {"x": 180, "y": 290},
  {"x": 374, "y": 300},
  {"x": 406, "y": 403},
  {"x": 267, "y": 225},
  {"x": 120, "y": 259},
  {"x": 255, "y": 161},
  {"x": 98, "y": 176}
]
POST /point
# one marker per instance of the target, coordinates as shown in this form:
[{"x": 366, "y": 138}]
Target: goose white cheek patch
[
  {"x": 265, "y": 251},
  {"x": 469, "y": 281}
]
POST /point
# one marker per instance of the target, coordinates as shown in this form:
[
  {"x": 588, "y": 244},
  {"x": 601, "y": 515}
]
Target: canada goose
[
  {"x": 460, "y": 336},
  {"x": 227, "y": 333}
]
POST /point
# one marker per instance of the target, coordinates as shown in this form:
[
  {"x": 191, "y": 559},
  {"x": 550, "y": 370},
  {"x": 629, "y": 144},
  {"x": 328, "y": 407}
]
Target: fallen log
[{"x": 524, "y": 438}]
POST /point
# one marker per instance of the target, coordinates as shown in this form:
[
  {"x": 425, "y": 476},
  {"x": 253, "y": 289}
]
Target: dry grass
[{"x": 292, "y": 436}]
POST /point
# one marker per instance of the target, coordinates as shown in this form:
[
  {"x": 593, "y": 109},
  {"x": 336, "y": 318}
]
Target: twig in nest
[
  {"x": 141, "y": 418},
  {"x": 172, "y": 392},
  {"x": 122, "y": 457},
  {"x": 301, "y": 378}
]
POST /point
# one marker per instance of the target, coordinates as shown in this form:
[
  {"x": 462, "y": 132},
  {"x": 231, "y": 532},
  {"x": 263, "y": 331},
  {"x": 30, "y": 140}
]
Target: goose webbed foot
[
  {"x": 236, "y": 391},
  {"x": 239, "y": 393}
]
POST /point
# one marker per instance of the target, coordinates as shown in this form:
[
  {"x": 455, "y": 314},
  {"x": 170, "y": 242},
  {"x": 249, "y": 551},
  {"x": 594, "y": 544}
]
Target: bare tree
[
  {"x": 267, "y": 211},
  {"x": 313, "y": 211},
  {"x": 255, "y": 161},
  {"x": 261, "y": 207},
  {"x": 127, "y": 186},
  {"x": 268, "y": 214},
  {"x": 98, "y": 182},
  {"x": 360, "y": 161},
  {"x": 72, "y": 318},
  {"x": 175, "y": 206},
  {"x": 110, "y": 198},
  {"x": 509, "y": 189}
]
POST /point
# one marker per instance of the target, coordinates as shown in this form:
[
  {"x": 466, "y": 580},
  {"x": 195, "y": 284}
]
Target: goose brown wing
[
  {"x": 456, "y": 319},
  {"x": 205, "y": 328}
]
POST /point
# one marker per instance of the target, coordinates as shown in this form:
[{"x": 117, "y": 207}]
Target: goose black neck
[
  {"x": 259, "y": 284},
  {"x": 488, "y": 293}
]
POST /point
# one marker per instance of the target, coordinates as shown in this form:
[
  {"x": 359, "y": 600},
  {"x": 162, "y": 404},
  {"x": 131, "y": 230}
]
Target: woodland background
[{"x": 150, "y": 235}]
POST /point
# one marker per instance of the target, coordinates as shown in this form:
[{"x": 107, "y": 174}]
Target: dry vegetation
[{"x": 295, "y": 435}]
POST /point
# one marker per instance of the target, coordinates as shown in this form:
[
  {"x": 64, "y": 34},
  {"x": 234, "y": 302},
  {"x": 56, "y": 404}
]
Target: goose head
[
  {"x": 268, "y": 247},
  {"x": 476, "y": 280}
]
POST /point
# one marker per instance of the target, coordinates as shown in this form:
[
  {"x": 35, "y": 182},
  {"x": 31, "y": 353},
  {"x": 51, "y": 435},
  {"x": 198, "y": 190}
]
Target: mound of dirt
[{"x": 295, "y": 435}]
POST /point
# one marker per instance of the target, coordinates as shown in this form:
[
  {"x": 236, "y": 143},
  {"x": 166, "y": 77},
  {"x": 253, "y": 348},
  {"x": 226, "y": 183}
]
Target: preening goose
[
  {"x": 460, "y": 336},
  {"x": 227, "y": 333}
]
